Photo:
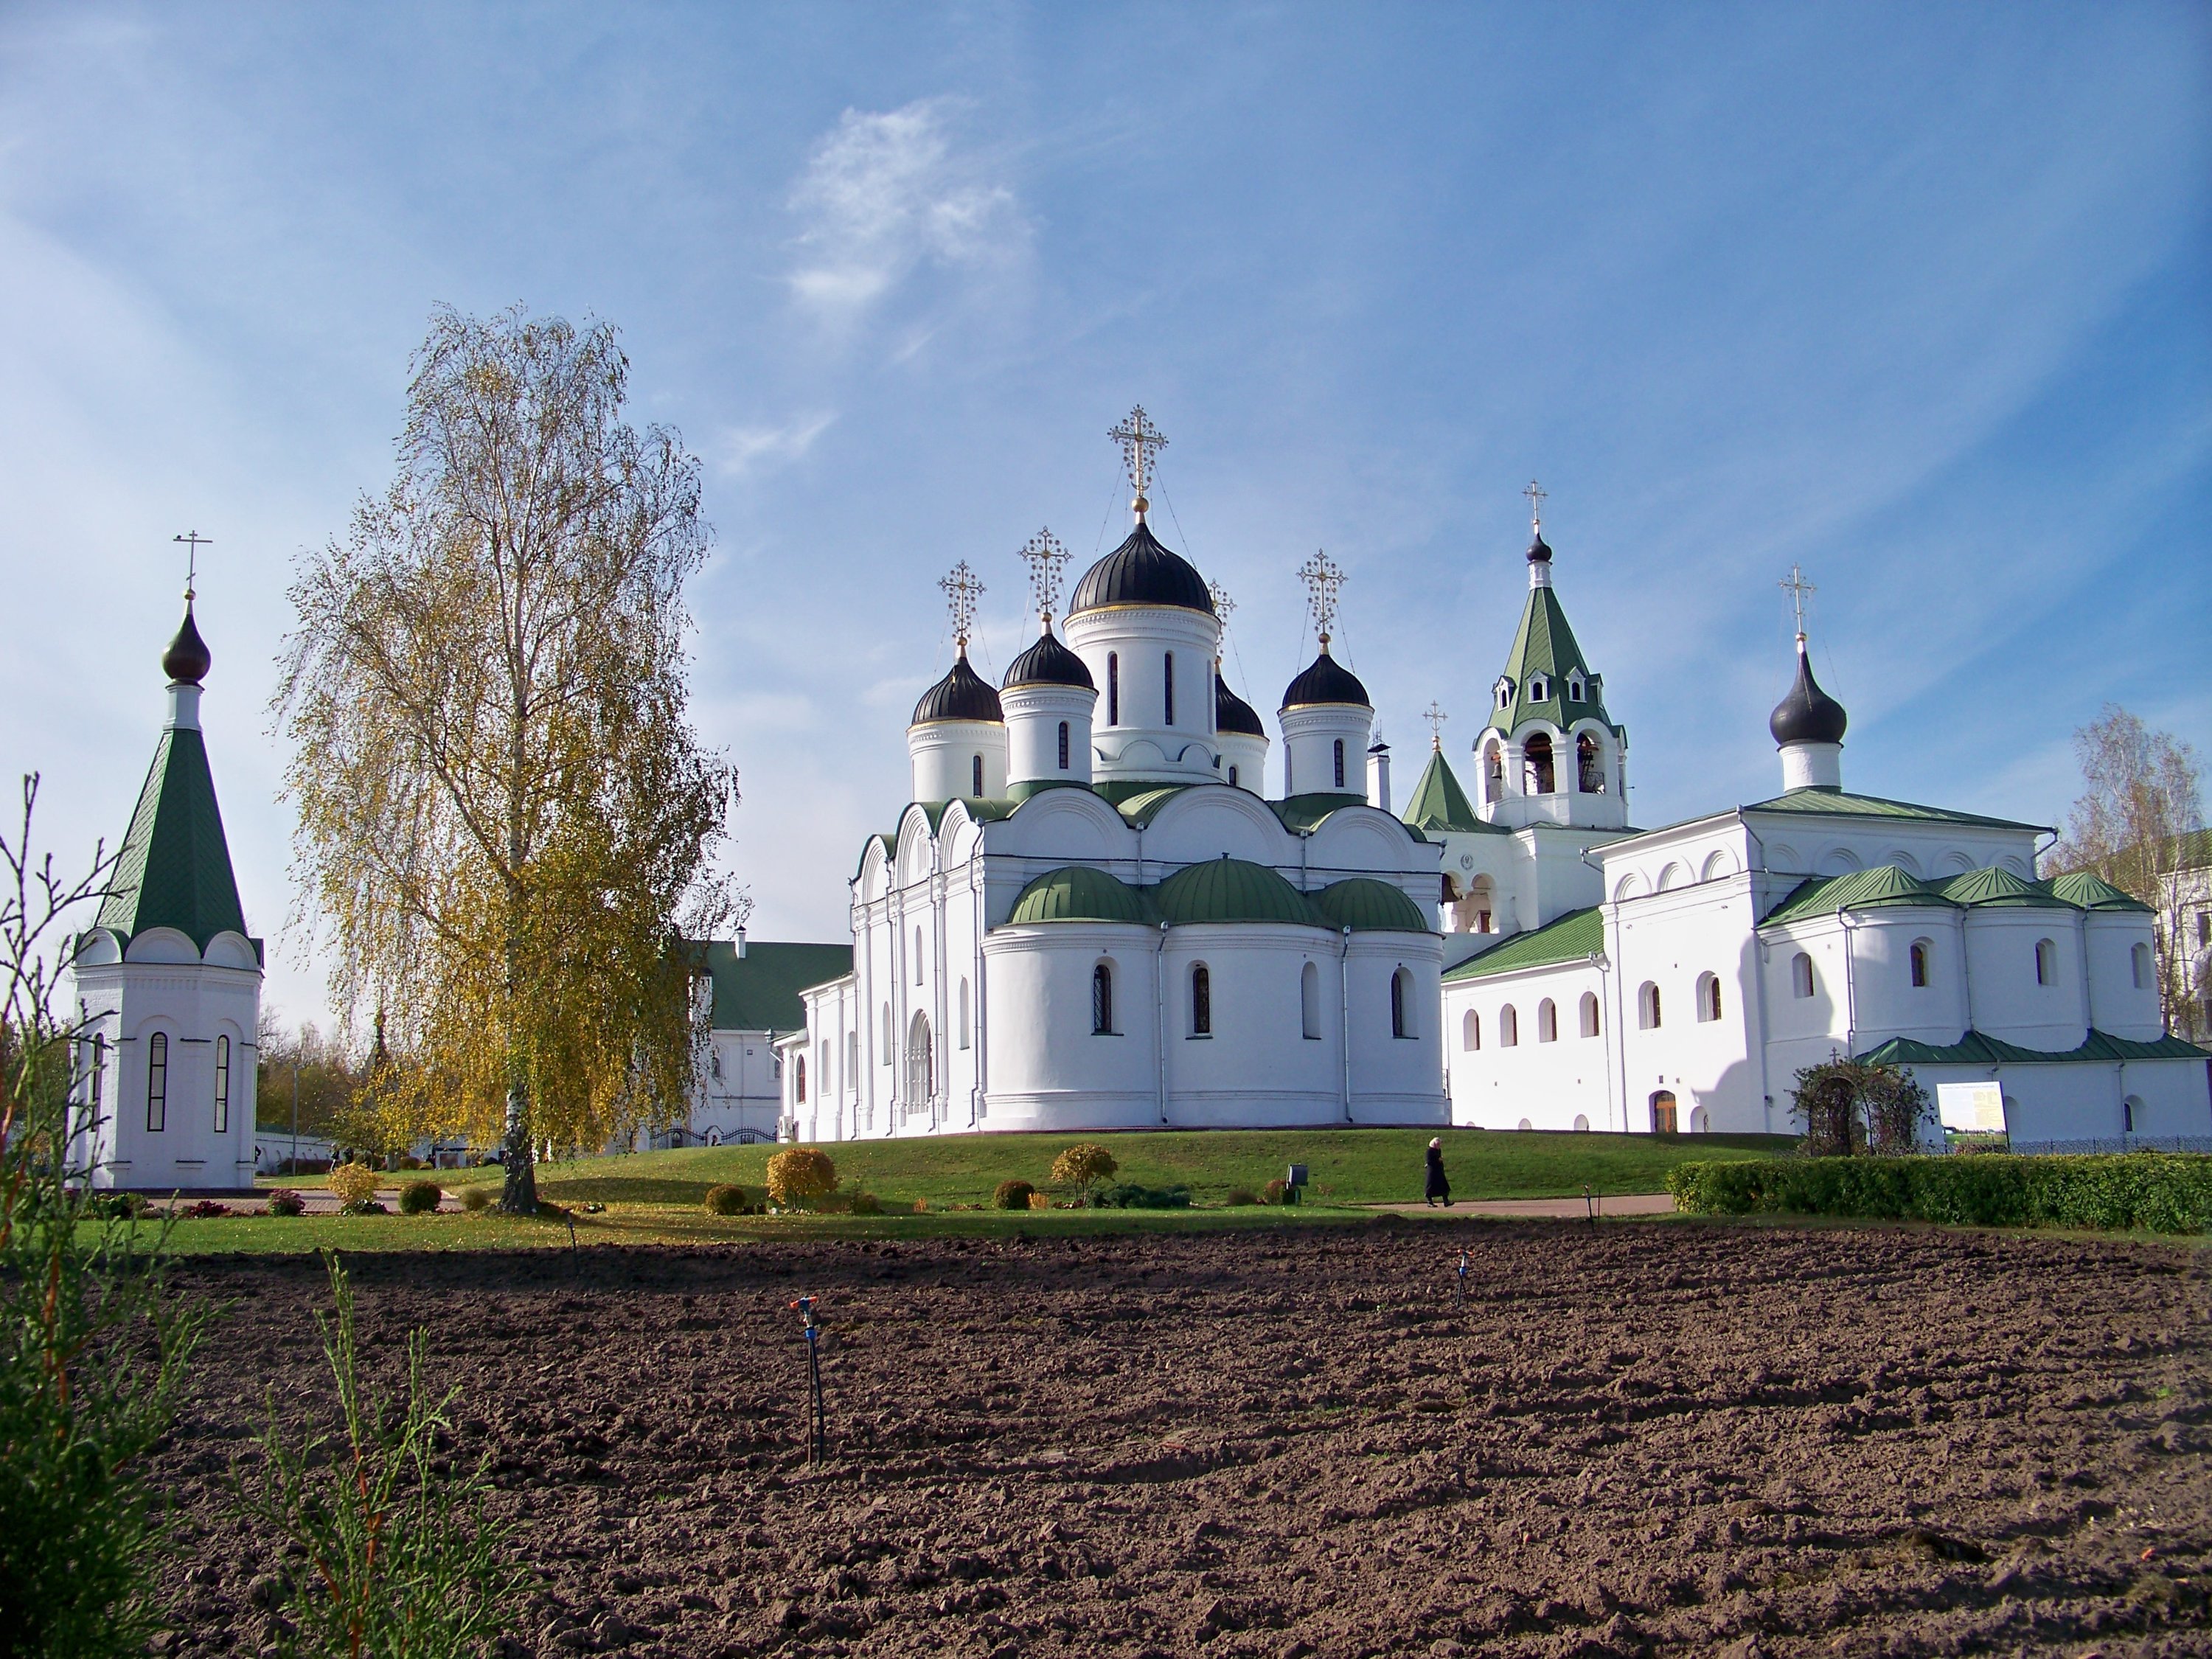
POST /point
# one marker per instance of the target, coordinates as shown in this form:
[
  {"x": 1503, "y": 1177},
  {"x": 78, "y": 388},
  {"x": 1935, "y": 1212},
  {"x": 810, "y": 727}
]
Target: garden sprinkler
[
  {"x": 1459, "y": 1296},
  {"x": 1590, "y": 1204},
  {"x": 818, "y": 1431}
]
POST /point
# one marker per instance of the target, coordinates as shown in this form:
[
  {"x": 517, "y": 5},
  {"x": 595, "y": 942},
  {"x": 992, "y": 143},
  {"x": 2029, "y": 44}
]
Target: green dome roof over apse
[
  {"x": 1368, "y": 906},
  {"x": 1079, "y": 893},
  {"x": 1231, "y": 890}
]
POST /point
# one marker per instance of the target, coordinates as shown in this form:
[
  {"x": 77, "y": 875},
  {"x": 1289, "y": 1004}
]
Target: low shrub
[
  {"x": 727, "y": 1201},
  {"x": 205, "y": 1209},
  {"x": 1240, "y": 1196},
  {"x": 1040, "y": 1201},
  {"x": 1013, "y": 1194},
  {"x": 1083, "y": 1165},
  {"x": 363, "y": 1206},
  {"x": 866, "y": 1204},
  {"x": 354, "y": 1184},
  {"x": 1278, "y": 1192},
  {"x": 1127, "y": 1195},
  {"x": 421, "y": 1198},
  {"x": 799, "y": 1175},
  {"x": 2157, "y": 1192},
  {"x": 118, "y": 1206},
  {"x": 409, "y": 1161},
  {"x": 476, "y": 1198},
  {"x": 287, "y": 1203}
]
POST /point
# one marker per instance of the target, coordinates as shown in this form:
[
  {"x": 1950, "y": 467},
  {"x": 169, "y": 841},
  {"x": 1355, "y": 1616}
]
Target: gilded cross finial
[
  {"x": 1322, "y": 576},
  {"x": 1536, "y": 494},
  {"x": 193, "y": 542},
  {"x": 1436, "y": 717},
  {"x": 961, "y": 590},
  {"x": 1140, "y": 440},
  {"x": 1799, "y": 590},
  {"x": 1223, "y": 605},
  {"x": 1046, "y": 559}
]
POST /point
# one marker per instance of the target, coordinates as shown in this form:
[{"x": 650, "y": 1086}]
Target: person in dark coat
[{"x": 1438, "y": 1187}]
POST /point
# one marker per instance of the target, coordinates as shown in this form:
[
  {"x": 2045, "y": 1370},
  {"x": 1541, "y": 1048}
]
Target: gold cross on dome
[
  {"x": 1799, "y": 590},
  {"x": 1536, "y": 494},
  {"x": 961, "y": 590},
  {"x": 1223, "y": 605},
  {"x": 1436, "y": 717},
  {"x": 1046, "y": 559},
  {"x": 193, "y": 542},
  {"x": 1323, "y": 577},
  {"x": 1140, "y": 440}
]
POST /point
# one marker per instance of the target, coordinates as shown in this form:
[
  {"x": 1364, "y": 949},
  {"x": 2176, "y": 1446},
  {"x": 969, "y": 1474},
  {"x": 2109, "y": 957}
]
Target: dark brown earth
[{"x": 1643, "y": 1439}]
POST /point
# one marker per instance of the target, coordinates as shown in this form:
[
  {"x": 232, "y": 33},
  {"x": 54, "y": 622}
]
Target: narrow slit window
[
  {"x": 1201, "y": 1001},
  {"x": 157, "y": 1082},
  {"x": 1063, "y": 746},
  {"x": 975, "y": 776},
  {"x": 1339, "y": 762},
  {"x": 1167, "y": 686},
  {"x": 1113, "y": 688},
  {"x": 222, "y": 1085},
  {"x": 1101, "y": 1000}
]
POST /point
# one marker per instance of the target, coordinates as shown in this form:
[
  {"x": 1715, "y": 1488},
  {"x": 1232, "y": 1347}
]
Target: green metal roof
[
  {"x": 1862, "y": 890},
  {"x": 2089, "y": 892},
  {"x": 1838, "y": 804},
  {"x": 1438, "y": 802},
  {"x": 1077, "y": 892},
  {"x": 1302, "y": 814},
  {"x": 1232, "y": 890},
  {"x": 759, "y": 991},
  {"x": 1574, "y": 937},
  {"x": 2001, "y": 887},
  {"x": 1976, "y": 1049},
  {"x": 174, "y": 868},
  {"x": 1544, "y": 645},
  {"x": 1141, "y": 810},
  {"x": 1368, "y": 906}
]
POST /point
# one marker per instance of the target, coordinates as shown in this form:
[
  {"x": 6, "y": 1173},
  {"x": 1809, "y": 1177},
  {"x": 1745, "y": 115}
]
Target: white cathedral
[{"x": 1092, "y": 915}]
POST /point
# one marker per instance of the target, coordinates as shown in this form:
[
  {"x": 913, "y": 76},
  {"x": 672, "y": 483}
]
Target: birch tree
[
  {"x": 505, "y": 818},
  {"x": 2131, "y": 826}
]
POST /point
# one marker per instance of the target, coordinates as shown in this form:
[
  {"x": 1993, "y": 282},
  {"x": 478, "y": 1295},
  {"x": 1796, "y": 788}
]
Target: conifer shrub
[
  {"x": 1013, "y": 1194},
  {"x": 287, "y": 1203},
  {"x": 355, "y": 1184},
  {"x": 421, "y": 1198},
  {"x": 798, "y": 1176},
  {"x": 727, "y": 1201},
  {"x": 1127, "y": 1195},
  {"x": 2156, "y": 1191},
  {"x": 866, "y": 1204}
]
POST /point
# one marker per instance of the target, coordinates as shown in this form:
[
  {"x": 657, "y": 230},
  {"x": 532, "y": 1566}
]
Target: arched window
[
  {"x": 2128, "y": 1108},
  {"x": 1575, "y": 687},
  {"x": 1339, "y": 762},
  {"x": 1309, "y": 1002},
  {"x": 1801, "y": 983},
  {"x": 1470, "y": 1032},
  {"x": 1918, "y": 957},
  {"x": 798, "y": 1079},
  {"x": 1536, "y": 776},
  {"x": 964, "y": 1014},
  {"x": 1647, "y": 1007},
  {"x": 1401, "y": 1004},
  {"x": 1582, "y": 1121},
  {"x": 1509, "y": 1027},
  {"x": 1063, "y": 746},
  {"x": 1662, "y": 1112},
  {"x": 1232, "y": 777},
  {"x": 157, "y": 1082},
  {"x": 1589, "y": 1014},
  {"x": 921, "y": 1064},
  {"x": 1540, "y": 689},
  {"x": 1201, "y": 1001},
  {"x": 917, "y": 956},
  {"x": 851, "y": 1060},
  {"x": 1547, "y": 1021},
  {"x": 824, "y": 1078},
  {"x": 1494, "y": 774},
  {"x": 2139, "y": 965},
  {"x": 1102, "y": 1000},
  {"x": 1590, "y": 766},
  {"x": 222, "y": 1085},
  {"x": 1504, "y": 693},
  {"x": 1709, "y": 997},
  {"x": 975, "y": 778},
  {"x": 1113, "y": 688},
  {"x": 1167, "y": 686},
  {"x": 2047, "y": 963}
]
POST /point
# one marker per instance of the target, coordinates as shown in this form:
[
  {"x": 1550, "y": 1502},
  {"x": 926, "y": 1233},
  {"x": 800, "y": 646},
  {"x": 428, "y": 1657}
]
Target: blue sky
[{"x": 1914, "y": 296}]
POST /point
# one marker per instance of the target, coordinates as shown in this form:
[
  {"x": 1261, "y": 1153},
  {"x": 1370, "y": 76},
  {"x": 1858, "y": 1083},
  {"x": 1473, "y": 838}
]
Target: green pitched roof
[
  {"x": 1544, "y": 645},
  {"x": 1368, "y": 906},
  {"x": 1997, "y": 886},
  {"x": 1438, "y": 802},
  {"x": 2089, "y": 892},
  {"x": 759, "y": 991},
  {"x": 1079, "y": 893},
  {"x": 1232, "y": 890},
  {"x": 1862, "y": 890},
  {"x": 1301, "y": 812},
  {"x": 174, "y": 868},
  {"x": 1976, "y": 1049},
  {"x": 1574, "y": 937},
  {"x": 1840, "y": 804}
]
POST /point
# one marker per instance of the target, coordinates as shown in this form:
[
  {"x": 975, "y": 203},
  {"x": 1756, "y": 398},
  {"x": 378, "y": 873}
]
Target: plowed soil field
[{"x": 1632, "y": 1439}]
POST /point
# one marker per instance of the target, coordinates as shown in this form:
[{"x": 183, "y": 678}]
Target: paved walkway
[{"x": 1554, "y": 1209}]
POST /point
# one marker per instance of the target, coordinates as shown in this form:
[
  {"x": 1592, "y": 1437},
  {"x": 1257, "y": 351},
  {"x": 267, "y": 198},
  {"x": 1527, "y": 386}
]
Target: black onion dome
[
  {"x": 1807, "y": 715},
  {"x": 1232, "y": 714},
  {"x": 961, "y": 694},
  {"x": 187, "y": 659},
  {"x": 1539, "y": 550},
  {"x": 1326, "y": 680},
  {"x": 1047, "y": 662},
  {"x": 1141, "y": 571}
]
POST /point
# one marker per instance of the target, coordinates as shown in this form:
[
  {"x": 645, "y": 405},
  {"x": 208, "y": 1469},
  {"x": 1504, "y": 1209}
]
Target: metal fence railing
[{"x": 2115, "y": 1144}]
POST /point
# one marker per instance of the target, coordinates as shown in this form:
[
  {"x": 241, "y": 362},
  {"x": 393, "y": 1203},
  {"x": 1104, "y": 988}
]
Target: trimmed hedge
[{"x": 2156, "y": 1191}]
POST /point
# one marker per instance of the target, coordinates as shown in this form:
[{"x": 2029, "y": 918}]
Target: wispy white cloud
[
  {"x": 745, "y": 451},
  {"x": 887, "y": 193}
]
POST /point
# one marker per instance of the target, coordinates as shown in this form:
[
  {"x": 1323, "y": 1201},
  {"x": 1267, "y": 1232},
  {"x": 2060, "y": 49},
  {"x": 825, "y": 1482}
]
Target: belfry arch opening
[
  {"x": 1537, "y": 776},
  {"x": 1589, "y": 765}
]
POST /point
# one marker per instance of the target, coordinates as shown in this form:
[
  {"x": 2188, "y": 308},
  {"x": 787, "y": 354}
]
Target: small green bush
[
  {"x": 1240, "y": 1197},
  {"x": 421, "y": 1197},
  {"x": 285, "y": 1203},
  {"x": 725, "y": 1200},
  {"x": 1013, "y": 1195},
  {"x": 1127, "y": 1195},
  {"x": 2156, "y": 1191},
  {"x": 476, "y": 1198},
  {"x": 866, "y": 1204}
]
